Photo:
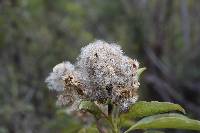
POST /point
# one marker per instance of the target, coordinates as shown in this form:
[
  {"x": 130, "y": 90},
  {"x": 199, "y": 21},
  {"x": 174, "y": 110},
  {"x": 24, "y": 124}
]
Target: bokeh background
[{"x": 35, "y": 35}]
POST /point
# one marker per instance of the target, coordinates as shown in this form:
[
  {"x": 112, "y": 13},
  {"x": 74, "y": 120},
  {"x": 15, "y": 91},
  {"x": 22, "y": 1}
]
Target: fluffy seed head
[
  {"x": 55, "y": 79},
  {"x": 102, "y": 72}
]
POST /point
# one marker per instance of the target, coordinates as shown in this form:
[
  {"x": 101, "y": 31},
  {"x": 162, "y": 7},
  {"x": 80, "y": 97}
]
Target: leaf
[
  {"x": 142, "y": 108},
  {"x": 90, "y": 107},
  {"x": 140, "y": 71},
  {"x": 126, "y": 123},
  {"x": 172, "y": 120},
  {"x": 153, "y": 131},
  {"x": 89, "y": 130}
]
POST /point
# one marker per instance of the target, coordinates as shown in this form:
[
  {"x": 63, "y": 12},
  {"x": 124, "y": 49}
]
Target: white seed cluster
[{"x": 102, "y": 72}]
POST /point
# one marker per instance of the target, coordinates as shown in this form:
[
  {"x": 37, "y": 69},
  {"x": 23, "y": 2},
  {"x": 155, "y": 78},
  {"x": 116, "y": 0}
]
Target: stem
[
  {"x": 99, "y": 127},
  {"x": 110, "y": 108},
  {"x": 115, "y": 118},
  {"x": 110, "y": 117},
  {"x": 110, "y": 121}
]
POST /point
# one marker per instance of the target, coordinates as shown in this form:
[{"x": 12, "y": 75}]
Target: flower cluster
[{"x": 102, "y": 73}]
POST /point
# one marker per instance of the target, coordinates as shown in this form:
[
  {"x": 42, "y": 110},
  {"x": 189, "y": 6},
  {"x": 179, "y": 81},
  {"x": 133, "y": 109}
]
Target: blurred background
[{"x": 35, "y": 35}]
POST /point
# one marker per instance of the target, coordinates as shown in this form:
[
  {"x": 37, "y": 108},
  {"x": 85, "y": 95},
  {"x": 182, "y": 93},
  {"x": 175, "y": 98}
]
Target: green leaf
[
  {"x": 89, "y": 130},
  {"x": 140, "y": 71},
  {"x": 153, "y": 131},
  {"x": 172, "y": 120},
  {"x": 126, "y": 123},
  {"x": 91, "y": 107},
  {"x": 142, "y": 108}
]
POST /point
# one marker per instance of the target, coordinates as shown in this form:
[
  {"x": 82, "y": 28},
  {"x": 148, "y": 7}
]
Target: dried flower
[
  {"x": 102, "y": 72},
  {"x": 55, "y": 79}
]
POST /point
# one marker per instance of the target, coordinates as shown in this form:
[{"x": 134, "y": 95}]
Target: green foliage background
[{"x": 35, "y": 35}]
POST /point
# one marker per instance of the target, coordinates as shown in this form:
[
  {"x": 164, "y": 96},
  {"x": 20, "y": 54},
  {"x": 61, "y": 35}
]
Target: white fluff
[
  {"x": 54, "y": 80},
  {"x": 99, "y": 66}
]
